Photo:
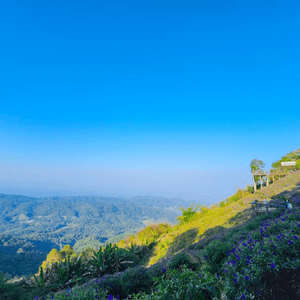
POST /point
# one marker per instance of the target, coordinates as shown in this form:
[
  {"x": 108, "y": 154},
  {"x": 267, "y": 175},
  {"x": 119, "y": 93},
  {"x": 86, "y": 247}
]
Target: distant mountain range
[{"x": 30, "y": 224}]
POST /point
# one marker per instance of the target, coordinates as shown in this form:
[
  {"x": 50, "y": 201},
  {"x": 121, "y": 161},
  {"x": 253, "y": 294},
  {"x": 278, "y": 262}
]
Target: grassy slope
[{"x": 217, "y": 221}]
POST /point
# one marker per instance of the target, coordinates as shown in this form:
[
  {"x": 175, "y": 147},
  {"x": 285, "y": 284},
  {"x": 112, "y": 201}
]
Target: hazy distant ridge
[{"x": 66, "y": 220}]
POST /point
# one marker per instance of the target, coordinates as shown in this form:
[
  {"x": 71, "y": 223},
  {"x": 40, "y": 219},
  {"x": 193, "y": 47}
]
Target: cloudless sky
[{"x": 162, "y": 98}]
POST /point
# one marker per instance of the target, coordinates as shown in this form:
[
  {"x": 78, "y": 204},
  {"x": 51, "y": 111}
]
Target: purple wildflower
[{"x": 272, "y": 265}]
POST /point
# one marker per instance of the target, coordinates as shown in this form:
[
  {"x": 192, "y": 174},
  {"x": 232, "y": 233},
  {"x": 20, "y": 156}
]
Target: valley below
[{"x": 31, "y": 227}]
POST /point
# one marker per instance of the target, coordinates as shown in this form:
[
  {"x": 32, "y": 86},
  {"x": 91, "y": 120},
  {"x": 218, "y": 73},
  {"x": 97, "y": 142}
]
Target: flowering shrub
[
  {"x": 135, "y": 280},
  {"x": 252, "y": 263}
]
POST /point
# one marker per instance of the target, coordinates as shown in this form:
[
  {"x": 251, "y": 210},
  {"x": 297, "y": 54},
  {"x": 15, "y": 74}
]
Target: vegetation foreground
[{"x": 221, "y": 252}]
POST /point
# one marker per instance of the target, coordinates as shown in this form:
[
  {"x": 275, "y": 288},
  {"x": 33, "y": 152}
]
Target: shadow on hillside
[
  {"x": 239, "y": 218},
  {"x": 219, "y": 232},
  {"x": 293, "y": 196},
  {"x": 186, "y": 241},
  {"x": 182, "y": 240},
  {"x": 148, "y": 253}
]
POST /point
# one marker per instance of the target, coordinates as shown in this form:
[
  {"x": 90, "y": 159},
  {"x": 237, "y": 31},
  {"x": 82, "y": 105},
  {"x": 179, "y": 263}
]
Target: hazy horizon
[{"x": 170, "y": 99}]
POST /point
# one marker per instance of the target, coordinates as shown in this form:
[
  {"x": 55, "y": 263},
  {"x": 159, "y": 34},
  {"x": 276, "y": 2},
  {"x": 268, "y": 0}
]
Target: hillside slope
[{"x": 216, "y": 221}]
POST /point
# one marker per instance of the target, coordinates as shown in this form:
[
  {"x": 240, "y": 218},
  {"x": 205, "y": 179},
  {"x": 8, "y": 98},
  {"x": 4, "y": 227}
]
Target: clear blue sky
[{"x": 162, "y": 98}]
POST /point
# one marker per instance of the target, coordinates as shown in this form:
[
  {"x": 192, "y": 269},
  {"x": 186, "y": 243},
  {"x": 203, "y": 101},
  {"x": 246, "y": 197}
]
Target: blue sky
[{"x": 162, "y": 98}]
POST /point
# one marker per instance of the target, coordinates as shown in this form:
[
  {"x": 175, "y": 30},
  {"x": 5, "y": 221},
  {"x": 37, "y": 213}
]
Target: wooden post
[
  {"x": 260, "y": 181},
  {"x": 254, "y": 183},
  {"x": 267, "y": 179}
]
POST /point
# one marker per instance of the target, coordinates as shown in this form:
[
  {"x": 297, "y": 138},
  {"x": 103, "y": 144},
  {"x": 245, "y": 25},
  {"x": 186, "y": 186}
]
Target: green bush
[
  {"x": 111, "y": 284},
  {"x": 183, "y": 285},
  {"x": 135, "y": 280},
  {"x": 250, "y": 189},
  {"x": 214, "y": 255},
  {"x": 131, "y": 281},
  {"x": 136, "y": 253},
  {"x": 157, "y": 270},
  {"x": 56, "y": 275},
  {"x": 127, "y": 255},
  {"x": 181, "y": 259},
  {"x": 222, "y": 204},
  {"x": 106, "y": 260},
  {"x": 188, "y": 214}
]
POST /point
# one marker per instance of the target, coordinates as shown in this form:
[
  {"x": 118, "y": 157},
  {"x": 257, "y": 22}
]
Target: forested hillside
[{"x": 31, "y": 227}]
